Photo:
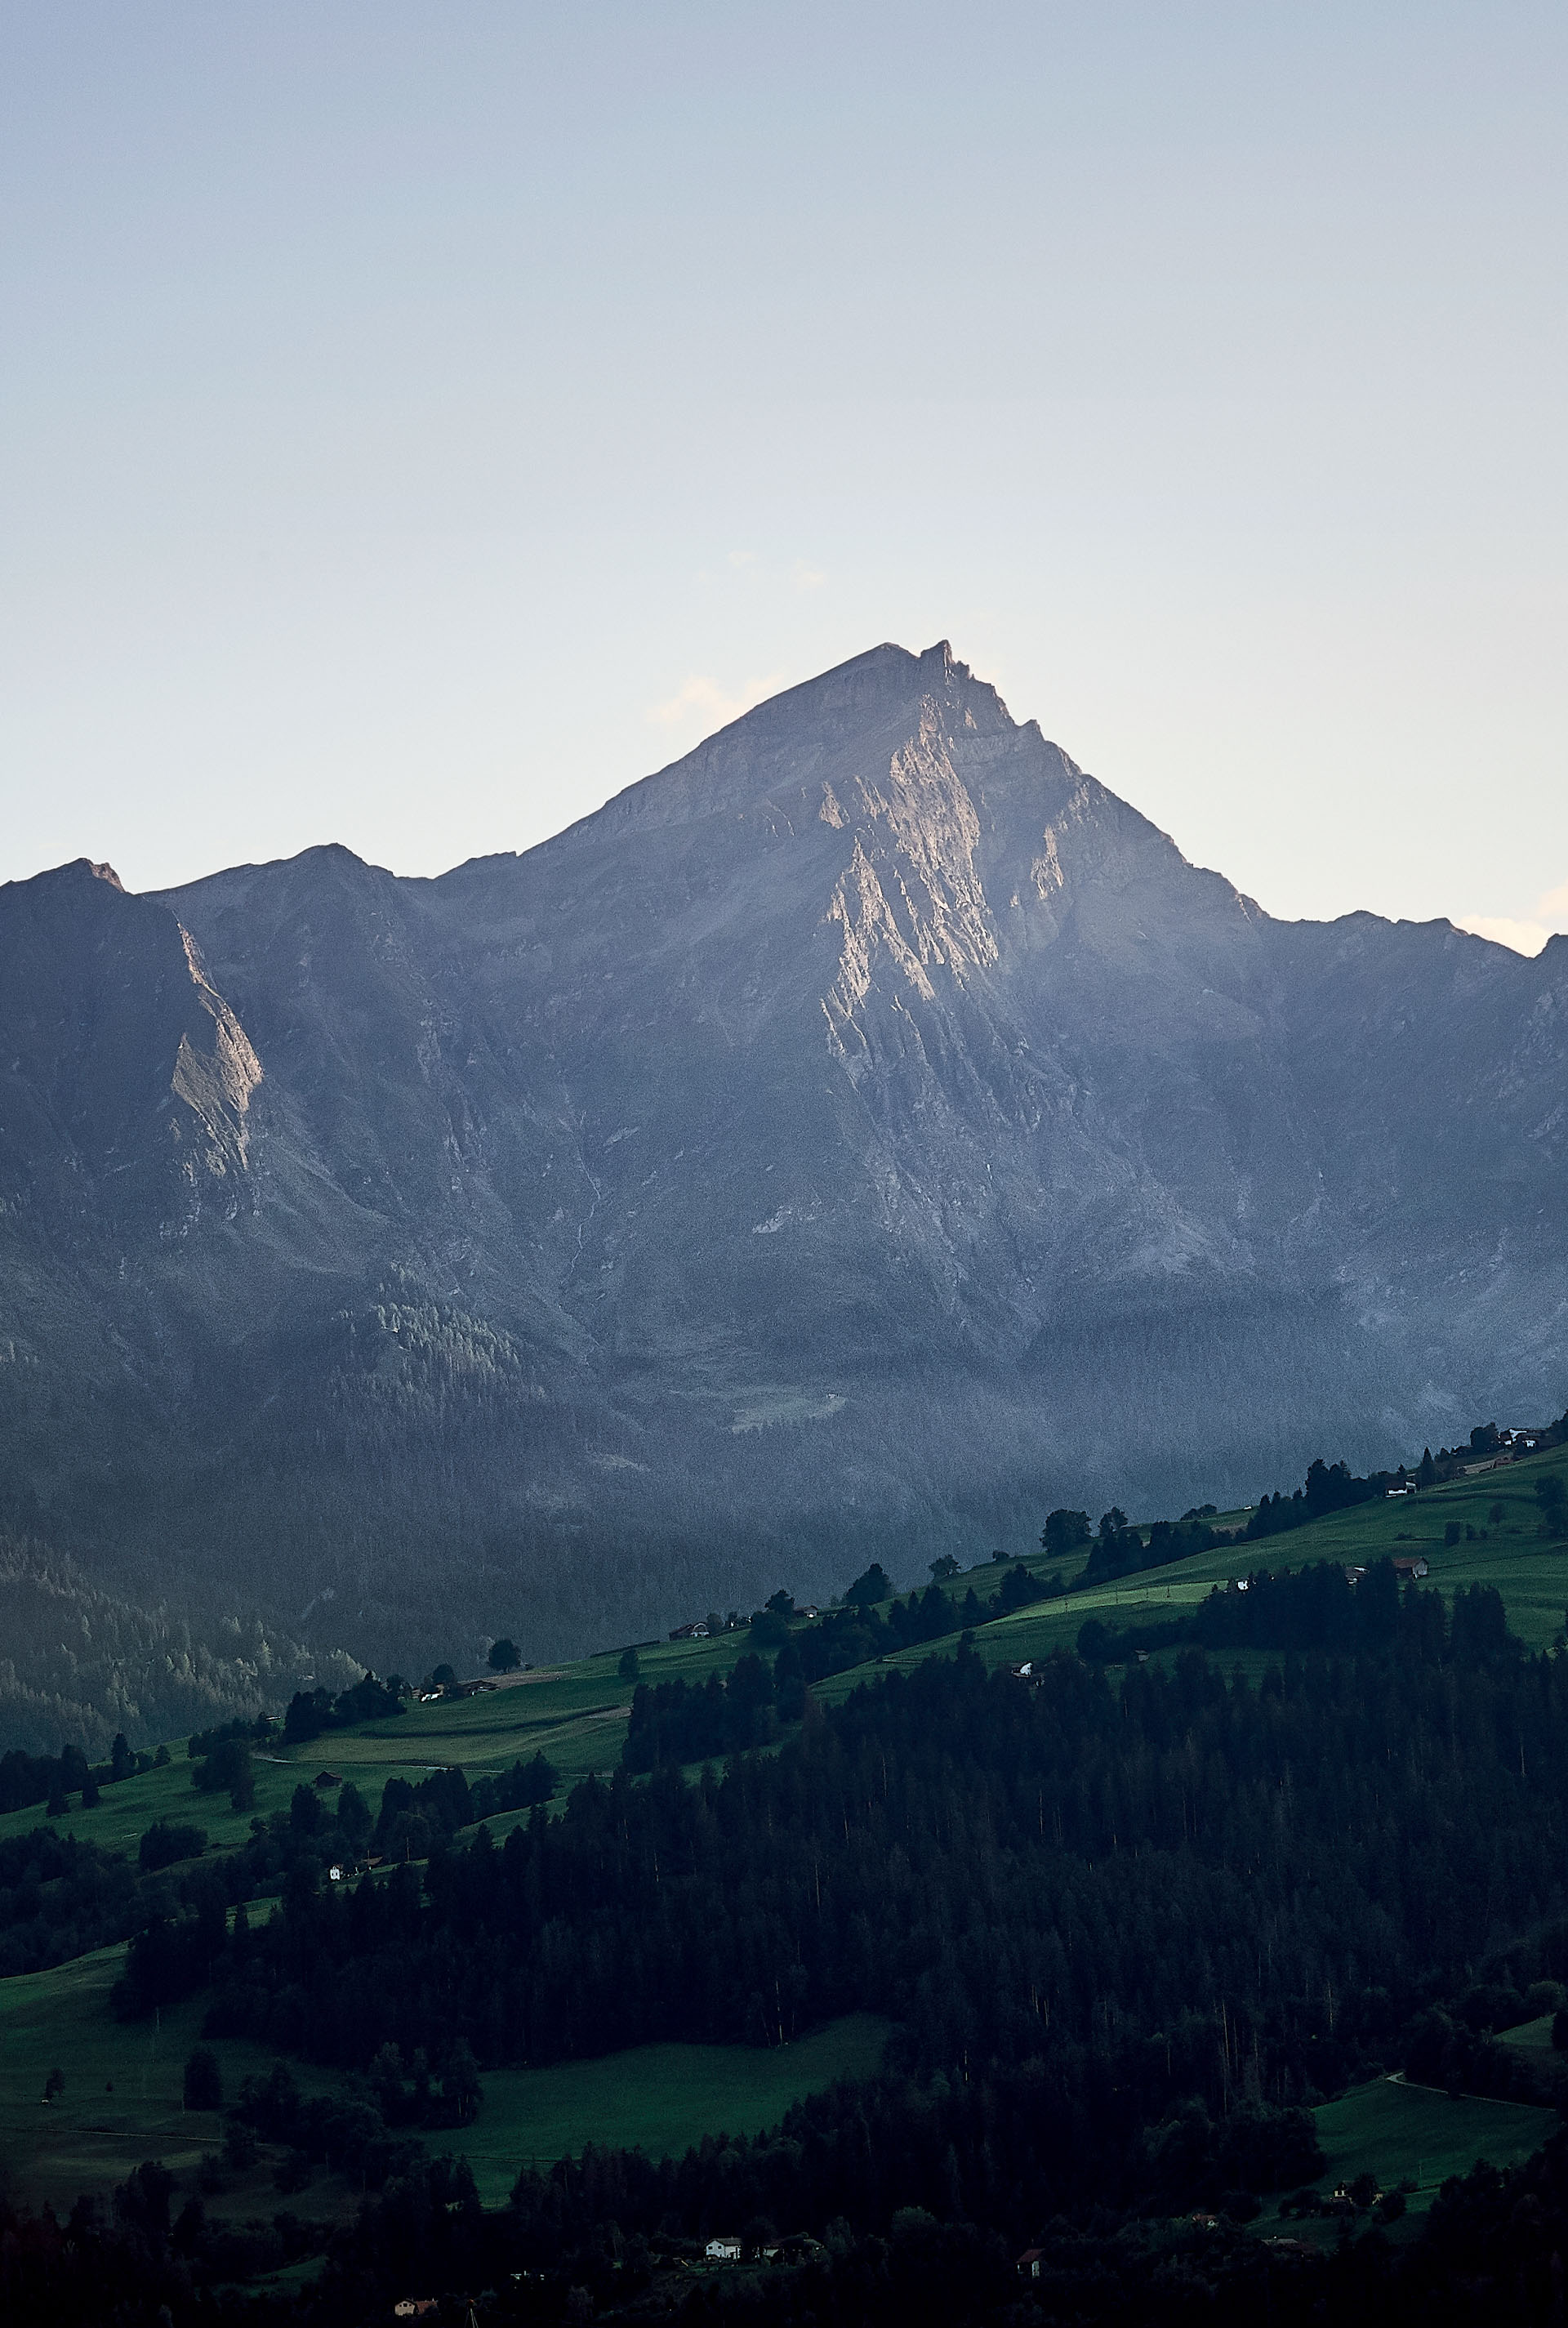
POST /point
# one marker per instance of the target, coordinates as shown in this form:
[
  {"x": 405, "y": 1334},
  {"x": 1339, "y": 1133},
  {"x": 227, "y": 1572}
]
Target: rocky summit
[{"x": 851, "y": 1142}]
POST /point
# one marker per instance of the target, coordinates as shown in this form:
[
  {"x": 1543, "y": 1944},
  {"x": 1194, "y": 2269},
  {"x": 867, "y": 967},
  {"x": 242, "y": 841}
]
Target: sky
[{"x": 418, "y": 422}]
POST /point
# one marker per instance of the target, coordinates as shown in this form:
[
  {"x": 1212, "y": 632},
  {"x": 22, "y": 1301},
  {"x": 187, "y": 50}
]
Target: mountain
[{"x": 853, "y": 1139}]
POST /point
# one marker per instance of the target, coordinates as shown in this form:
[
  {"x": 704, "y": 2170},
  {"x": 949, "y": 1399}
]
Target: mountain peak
[
  {"x": 75, "y": 870},
  {"x": 874, "y": 704},
  {"x": 888, "y": 671},
  {"x": 869, "y": 1124}
]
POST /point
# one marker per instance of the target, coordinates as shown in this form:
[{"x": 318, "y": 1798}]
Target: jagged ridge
[{"x": 870, "y": 1127}]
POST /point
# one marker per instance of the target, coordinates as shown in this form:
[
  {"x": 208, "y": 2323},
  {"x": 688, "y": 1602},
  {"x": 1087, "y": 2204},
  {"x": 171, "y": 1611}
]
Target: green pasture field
[
  {"x": 1531, "y": 1575},
  {"x": 483, "y": 1735},
  {"x": 122, "y": 2100},
  {"x": 659, "y": 2099},
  {"x": 127, "y": 1810},
  {"x": 1531, "y": 2036},
  {"x": 1398, "y": 2132},
  {"x": 574, "y": 1715},
  {"x": 123, "y": 2084}
]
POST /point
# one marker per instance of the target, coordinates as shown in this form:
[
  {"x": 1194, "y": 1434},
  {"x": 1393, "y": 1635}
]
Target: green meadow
[
  {"x": 1400, "y": 2133},
  {"x": 122, "y": 2097},
  {"x": 660, "y": 2098},
  {"x": 1531, "y": 1575},
  {"x": 1533, "y": 2037}
]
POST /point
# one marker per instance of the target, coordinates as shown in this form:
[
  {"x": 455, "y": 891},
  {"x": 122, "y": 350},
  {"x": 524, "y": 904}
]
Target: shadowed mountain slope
[{"x": 859, "y": 1136}]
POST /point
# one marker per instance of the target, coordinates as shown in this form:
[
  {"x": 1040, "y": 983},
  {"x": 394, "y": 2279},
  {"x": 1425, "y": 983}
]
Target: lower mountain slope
[{"x": 1190, "y": 1987}]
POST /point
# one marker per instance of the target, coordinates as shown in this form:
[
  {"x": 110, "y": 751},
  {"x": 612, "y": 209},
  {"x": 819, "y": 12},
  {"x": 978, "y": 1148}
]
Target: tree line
[
  {"x": 51, "y": 1778},
  {"x": 1321, "y": 1608},
  {"x": 584, "y": 2242}
]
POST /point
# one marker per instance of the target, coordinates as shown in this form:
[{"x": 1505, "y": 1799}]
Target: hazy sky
[{"x": 420, "y": 421}]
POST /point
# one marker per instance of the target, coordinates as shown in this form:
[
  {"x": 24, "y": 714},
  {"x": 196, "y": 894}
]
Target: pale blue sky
[{"x": 420, "y": 421}]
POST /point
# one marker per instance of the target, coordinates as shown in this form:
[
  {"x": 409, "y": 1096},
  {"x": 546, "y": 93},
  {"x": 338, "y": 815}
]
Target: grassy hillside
[
  {"x": 122, "y": 2097},
  {"x": 121, "y": 2101},
  {"x": 1398, "y": 2132},
  {"x": 1531, "y": 1575},
  {"x": 660, "y": 2098},
  {"x": 576, "y": 1713}
]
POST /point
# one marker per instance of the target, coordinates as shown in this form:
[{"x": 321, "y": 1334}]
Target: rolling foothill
[{"x": 1043, "y": 1940}]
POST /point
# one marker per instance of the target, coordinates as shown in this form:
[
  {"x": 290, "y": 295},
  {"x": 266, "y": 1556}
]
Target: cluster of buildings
[
  {"x": 700, "y": 1628},
  {"x": 1406, "y": 1564},
  {"x": 798, "y": 2248}
]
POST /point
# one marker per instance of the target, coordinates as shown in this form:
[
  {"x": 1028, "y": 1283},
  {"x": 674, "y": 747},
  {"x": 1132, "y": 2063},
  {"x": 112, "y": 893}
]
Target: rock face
[{"x": 853, "y": 1140}]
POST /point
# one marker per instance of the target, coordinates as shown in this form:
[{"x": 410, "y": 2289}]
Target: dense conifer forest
[
  {"x": 1132, "y": 1912},
  {"x": 1129, "y": 1931},
  {"x": 1183, "y": 1883}
]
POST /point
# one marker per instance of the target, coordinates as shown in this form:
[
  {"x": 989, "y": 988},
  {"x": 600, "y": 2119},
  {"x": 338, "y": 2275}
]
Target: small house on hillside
[
  {"x": 722, "y": 2250},
  {"x": 1410, "y": 1564},
  {"x": 697, "y": 1632},
  {"x": 1029, "y": 2262}
]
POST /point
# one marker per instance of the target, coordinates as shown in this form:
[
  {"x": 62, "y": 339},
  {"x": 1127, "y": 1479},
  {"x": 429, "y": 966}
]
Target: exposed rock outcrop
[{"x": 868, "y": 1128}]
